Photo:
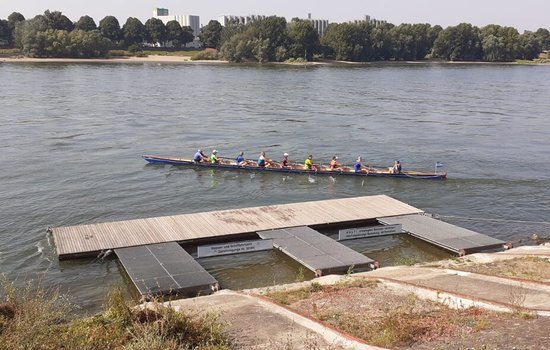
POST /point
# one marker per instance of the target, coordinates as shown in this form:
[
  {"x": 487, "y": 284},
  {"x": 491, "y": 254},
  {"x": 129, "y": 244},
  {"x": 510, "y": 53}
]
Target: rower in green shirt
[
  {"x": 308, "y": 165},
  {"x": 214, "y": 157}
]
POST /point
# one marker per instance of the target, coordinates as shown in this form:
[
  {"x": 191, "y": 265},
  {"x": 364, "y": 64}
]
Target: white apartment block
[
  {"x": 320, "y": 25},
  {"x": 229, "y": 19},
  {"x": 183, "y": 20},
  {"x": 373, "y": 21}
]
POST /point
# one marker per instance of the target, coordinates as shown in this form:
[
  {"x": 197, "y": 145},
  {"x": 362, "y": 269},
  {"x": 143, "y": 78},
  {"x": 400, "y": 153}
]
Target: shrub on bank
[
  {"x": 207, "y": 54},
  {"x": 33, "y": 317}
]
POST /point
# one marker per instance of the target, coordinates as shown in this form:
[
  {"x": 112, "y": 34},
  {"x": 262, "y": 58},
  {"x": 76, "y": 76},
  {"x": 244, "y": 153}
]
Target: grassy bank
[{"x": 33, "y": 317}]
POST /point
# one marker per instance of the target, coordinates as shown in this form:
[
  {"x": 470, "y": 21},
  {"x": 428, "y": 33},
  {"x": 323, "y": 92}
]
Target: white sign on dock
[
  {"x": 370, "y": 231},
  {"x": 205, "y": 251}
]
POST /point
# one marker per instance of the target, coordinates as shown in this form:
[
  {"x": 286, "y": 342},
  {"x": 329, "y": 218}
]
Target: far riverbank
[{"x": 188, "y": 59}]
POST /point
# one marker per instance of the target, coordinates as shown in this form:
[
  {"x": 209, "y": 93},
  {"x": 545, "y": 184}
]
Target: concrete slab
[
  {"x": 256, "y": 323},
  {"x": 498, "y": 291}
]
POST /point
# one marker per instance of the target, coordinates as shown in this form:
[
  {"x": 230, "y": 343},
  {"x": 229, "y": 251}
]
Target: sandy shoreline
[
  {"x": 187, "y": 59},
  {"x": 150, "y": 59}
]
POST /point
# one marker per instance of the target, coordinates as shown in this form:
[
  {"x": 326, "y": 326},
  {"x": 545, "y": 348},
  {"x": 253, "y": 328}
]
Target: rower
[
  {"x": 396, "y": 169},
  {"x": 263, "y": 161},
  {"x": 334, "y": 165},
  {"x": 199, "y": 157},
  {"x": 214, "y": 157},
  {"x": 308, "y": 164},
  {"x": 240, "y": 159},
  {"x": 284, "y": 161},
  {"x": 357, "y": 166}
]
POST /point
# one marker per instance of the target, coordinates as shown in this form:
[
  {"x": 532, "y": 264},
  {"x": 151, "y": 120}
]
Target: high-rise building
[
  {"x": 160, "y": 12},
  {"x": 183, "y": 20},
  {"x": 373, "y": 21},
  {"x": 319, "y": 24},
  {"x": 229, "y": 19}
]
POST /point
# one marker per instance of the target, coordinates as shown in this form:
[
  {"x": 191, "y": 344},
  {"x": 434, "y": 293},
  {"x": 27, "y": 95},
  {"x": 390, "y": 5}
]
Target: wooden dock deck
[
  {"x": 89, "y": 240},
  {"x": 319, "y": 253}
]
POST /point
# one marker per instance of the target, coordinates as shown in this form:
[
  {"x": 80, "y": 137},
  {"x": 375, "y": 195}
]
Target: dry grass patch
[
  {"x": 379, "y": 316},
  {"x": 528, "y": 268},
  {"x": 287, "y": 297},
  {"x": 34, "y": 317}
]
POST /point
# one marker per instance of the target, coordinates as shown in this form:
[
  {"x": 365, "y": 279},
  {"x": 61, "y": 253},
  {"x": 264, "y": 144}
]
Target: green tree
[
  {"x": 543, "y": 36},
  {"x": 110, "y": 29},
  {"x": 499, "y": 43},
  {"x": 57, "y": 43},
  {"x": 382, "y": 49},
  {"x": 187, "y": 35},
  {"x": 270, "y": 35},
  {"x": 85, "y": 44},
  {"x": 211, "y": 34},
  {"x": 529, "y": 46},
  {"x": 174, "y": 33},
  {"x": 346, "y": 42},
  {"x": 304, "y": 39},
  {"x": 85, "y": 23},
  {"x": 27, "y": 36},
  {"x": 5, "y": 33},
  {"x": 229, "y": 31},
  {"x": 404, "y": 42},
  {"x": 14, "y": 19},
  {"x": 155, "y": 31},
  {"x": 458, "y": 43},
  {"x": 57, "y": 20},
  {"x": 239, "y": 47},
  {"x": 133, "y": 32}
]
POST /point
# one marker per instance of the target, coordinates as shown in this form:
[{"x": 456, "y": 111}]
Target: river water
[{"x": 72, "y": 136}]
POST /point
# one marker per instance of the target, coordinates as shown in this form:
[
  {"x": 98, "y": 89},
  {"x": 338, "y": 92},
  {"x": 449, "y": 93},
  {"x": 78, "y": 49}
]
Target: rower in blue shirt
[
  {"x": 240, "y": 159},
  {"x": 357, "y": 166},
  {"x": 199, "y": 157}
]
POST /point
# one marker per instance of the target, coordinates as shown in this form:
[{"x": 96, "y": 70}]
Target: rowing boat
[{"x": 295, "y": 168}]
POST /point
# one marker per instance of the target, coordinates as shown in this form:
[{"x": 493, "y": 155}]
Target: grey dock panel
[
  {"x": 442, "y": 234},
  {"x": 317, "y": 252},
  {"x": 164, "y": 269}
]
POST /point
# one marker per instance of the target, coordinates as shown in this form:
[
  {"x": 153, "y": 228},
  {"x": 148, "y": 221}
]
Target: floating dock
[
  {"x": 450, "y": 237},
  {"x": 90, "y": 240},
  {"x": 149, "y": 249},
  {"x": 319, "y": 253},
  {"x": 165, "y": 269}
]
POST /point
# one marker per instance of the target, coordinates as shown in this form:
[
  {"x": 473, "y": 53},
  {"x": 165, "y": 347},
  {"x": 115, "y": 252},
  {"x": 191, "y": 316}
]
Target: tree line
[
  {"x": 273, "y": 39},
  {"x": 54, "y": 35}
]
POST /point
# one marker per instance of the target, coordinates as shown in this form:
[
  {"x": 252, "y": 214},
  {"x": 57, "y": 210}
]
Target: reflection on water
[{"x": 71, "y": 152}]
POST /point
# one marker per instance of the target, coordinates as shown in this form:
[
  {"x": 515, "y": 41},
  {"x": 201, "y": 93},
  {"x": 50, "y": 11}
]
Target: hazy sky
[{"x": 523, "y": 15}]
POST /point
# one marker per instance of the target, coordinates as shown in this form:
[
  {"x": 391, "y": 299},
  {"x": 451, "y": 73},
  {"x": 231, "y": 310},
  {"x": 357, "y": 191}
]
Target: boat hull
[{"x": 228, "y": 165}]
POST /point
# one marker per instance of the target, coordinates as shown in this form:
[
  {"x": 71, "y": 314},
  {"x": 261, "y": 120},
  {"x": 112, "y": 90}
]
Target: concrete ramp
[
  {"x": 317, "y": 252},
  {"x": 456, "y": 239}
]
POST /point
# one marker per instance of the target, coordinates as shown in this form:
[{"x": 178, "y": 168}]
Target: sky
[{"x": 522, "y": 15}]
